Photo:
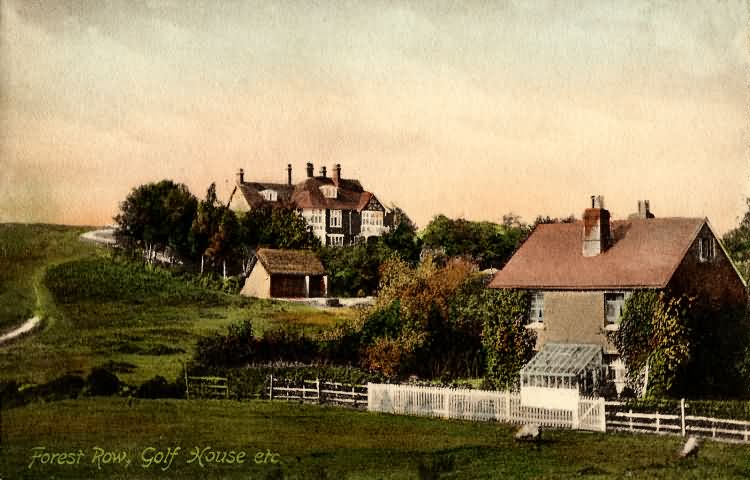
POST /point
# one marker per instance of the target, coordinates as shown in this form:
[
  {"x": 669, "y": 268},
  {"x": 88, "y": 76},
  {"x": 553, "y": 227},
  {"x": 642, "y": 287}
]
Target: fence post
[
  {"x": 270, "y": 391},
  {"x": 317, "y": 387},
  {"x": 657, "y": 421},
  {"x": 576, "y": 421},
  {"x": 354, "y": 396},
  {"x": 682, "y": 415},
  {"x": 187, "y": 382},
  {"x": 507, "y": 407},
  {"x": 630, "y": 418}
]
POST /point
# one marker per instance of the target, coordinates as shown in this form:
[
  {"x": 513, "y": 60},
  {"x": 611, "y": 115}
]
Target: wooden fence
[
  {"x": 481, "y": 405},
  {"x": 318, "y": 392},
  {"x": 676, "y": 424},
  {"x": 206, "y": 387}
]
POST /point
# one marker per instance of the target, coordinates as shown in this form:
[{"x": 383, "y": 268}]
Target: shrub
[
  {"x": 102, "y": 382},
  {"x": 158, "y": 387}
]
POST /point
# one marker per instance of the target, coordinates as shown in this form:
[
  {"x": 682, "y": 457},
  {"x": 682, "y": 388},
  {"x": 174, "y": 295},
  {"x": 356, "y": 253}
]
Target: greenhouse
[{"x": 564, "y": 366}]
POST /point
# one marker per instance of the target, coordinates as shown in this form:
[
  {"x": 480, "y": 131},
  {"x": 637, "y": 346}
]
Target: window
[
  {"x": 336, "y": 240},
  {"x": 335, "y": 220},
  {"x": 536, "y": 312},
  {"x": 329, "y": 191},
  {"x": 269, "y": 195},
  {"x": 370, "y": 217},
  {"x": 315, "y": 217},
  {"x": 613, "y": 305},
  {"x": 706, "y": 249}
]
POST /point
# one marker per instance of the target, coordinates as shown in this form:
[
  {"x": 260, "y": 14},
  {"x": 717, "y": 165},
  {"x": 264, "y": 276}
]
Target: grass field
[
  {"x": 334, "y": 443},
  {"x": 97, "y": 310}
]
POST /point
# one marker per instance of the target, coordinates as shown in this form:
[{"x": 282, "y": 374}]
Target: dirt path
[{"x": 27, "y": 326}]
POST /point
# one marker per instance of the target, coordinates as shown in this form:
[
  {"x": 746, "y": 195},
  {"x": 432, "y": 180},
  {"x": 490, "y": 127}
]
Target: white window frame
[
  {"x": 615, "y": 300},
  {"x": 329, "y": 191},
  {"x": 706, "y": 249},
  {"x": 336, "y": 239},
  {"x": 372, "y": 218},
  {"x": 536, "y": 309},
  {"x": 335, "y": 219},
  {"x": 269, "y": 195}
]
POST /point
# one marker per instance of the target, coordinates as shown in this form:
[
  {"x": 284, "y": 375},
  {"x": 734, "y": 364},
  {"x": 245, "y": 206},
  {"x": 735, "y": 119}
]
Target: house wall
[
  {"x": 258, "y": 283},
  {"x": 573, "y": 317},
  {"x": 713, "y": 281}
]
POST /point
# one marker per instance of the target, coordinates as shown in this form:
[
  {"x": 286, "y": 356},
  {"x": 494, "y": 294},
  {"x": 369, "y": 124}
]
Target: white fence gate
[{"x": 480, "y": 405}]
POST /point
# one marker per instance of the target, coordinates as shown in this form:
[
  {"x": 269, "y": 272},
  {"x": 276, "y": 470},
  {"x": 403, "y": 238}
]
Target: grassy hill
[{"x": 99, "y": 310}]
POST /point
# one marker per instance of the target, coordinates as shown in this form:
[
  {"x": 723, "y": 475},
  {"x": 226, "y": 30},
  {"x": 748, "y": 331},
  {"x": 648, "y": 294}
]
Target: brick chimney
[
  {"x": 240, "y": 176},
  {"x": 323, "y": 172},
  {"x": 337, "y": 174},
  {"x": 596, "y": 234},
  {"x": 644, "y": 209},
  {"x": 309, "y": 170},
  {"x": 289, "y": 174}
]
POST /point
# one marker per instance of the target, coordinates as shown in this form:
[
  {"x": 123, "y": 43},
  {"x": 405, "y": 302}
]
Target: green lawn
[
  {"x": 97, "y": 311},
  {"x": 329, "y": 442}
]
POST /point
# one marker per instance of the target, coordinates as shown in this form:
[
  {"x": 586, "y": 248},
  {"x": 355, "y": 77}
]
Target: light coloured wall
[
  {"x": 258, "y": 284},
  {"x": 574, "y": 317}
]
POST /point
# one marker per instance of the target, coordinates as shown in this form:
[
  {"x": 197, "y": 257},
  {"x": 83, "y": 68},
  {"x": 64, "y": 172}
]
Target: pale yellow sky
[{"x": 463, "y": 108}]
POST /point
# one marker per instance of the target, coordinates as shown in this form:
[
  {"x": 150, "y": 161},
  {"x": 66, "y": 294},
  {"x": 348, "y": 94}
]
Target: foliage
[
  {"x": 102, "y": 382},
  {"x": 158, "y": 215},
  {"x": 737, "y": 243},
  {"x": 159, "y": 387},
  {"x": 508, "y": 343},
  {"x": 488, "y": 244},
  {"x": 654, "y": 334},
  {"x": 276, "y": 228}
]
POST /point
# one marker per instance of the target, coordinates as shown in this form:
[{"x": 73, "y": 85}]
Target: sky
[{"x": 467, "y": 108}]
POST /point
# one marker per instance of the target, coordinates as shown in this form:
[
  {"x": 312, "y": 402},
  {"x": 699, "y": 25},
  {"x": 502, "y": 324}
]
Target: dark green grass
[{"x": 334, "y": 443}]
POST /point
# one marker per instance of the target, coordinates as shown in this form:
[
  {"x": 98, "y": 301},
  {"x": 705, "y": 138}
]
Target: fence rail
[
  {"x": 318, "y": 392},
  {"x": 677, "y": 424},
  {"x": 480, "y": 405},
  {"x": 206, "y": 387}
]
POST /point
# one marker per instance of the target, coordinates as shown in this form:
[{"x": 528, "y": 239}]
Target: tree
[
  {"x": 206, "y": 223},
  {"x": 737, "y": 243},
  {"x": 157, "y": 216}
]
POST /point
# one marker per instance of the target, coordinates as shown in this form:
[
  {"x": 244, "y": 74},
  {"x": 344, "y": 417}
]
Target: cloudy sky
[{"x": 466, "y": 108}]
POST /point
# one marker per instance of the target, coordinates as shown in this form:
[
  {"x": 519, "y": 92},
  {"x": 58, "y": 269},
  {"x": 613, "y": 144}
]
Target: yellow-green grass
[
  {"x": 97, "y": 310},
  {"x": 330, "y": 442}
]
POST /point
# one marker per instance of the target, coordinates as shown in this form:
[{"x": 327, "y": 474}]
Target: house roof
[
  {"x": 290, "y": 262},
  {"x": 350, "y": 194},
  {"x": 251, "y": 192},
  {"x": 644, "y": 254}
]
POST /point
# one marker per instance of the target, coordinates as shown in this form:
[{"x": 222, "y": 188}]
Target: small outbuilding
[{"x": 286, "y": 274}]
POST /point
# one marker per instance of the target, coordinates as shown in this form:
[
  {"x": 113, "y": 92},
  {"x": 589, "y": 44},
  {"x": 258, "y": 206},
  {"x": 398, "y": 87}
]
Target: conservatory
[{"x": 559, "y": 373}]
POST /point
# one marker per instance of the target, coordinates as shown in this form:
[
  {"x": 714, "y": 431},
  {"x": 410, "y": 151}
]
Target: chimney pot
[
  {"x": 323, "y": 172},
  {"x": 289, "y": 173},
  {"x": 644, "y": 209},
  {"x": 596, "y": 228},
  {"x": 337, "y": 173},
  {"x": 240, "y": 176},
  {"x": 309, "y": 170}
]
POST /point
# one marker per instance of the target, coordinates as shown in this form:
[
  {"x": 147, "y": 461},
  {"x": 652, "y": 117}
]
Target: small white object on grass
[
  {"x": 529, "y": 431},
  {"x": 690, "y": 449}
]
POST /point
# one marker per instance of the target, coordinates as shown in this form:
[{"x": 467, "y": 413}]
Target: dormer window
[
  {"x": 329, "y": 191},
  {"x": 706, "y": 249},
  {"x": 269, "y": 195}
]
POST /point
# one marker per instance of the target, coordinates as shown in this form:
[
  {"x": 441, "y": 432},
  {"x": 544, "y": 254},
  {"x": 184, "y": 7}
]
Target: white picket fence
[{"x": 480, "y": 405}]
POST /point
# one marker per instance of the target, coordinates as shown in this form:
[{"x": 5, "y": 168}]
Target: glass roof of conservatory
[{"x": 563, "y": 359}]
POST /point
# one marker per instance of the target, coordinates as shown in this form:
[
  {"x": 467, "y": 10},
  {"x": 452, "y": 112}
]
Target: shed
[{"x": 279, "y": 273}]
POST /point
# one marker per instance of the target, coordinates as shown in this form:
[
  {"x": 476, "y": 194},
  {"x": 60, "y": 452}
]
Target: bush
[
  {"x": 62, "y": 388},
  {"x": 102, "y": 382},
  {"x": 158, "y": 387}
]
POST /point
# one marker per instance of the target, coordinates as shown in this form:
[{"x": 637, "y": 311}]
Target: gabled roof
[
  {"x": 251, "y": 192},
  {"x": 350, "y": 194},
  {"x": 290, "y": 262},
  {"x": 644, "y": 254}
]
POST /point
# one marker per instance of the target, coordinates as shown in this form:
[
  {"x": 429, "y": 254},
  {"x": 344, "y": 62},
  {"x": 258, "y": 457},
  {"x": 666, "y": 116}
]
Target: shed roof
[
  {"x": 644, "y": 254},
  {"x": 562, "y": 359},
  {"x": 290, "y": 262}
]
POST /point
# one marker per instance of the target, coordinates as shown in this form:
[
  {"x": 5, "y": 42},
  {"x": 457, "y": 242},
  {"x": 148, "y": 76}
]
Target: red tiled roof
[
  {"x": 251, "y": 192},
  {"x": 644, "y": 253},
  {"x": 350, "y": 195},
  {"x": 291, "y": 262}
]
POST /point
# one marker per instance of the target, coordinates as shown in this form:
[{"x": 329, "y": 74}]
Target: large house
[
  {"x": 339, "y": 210},
  {"x": 579, "y": 275}
]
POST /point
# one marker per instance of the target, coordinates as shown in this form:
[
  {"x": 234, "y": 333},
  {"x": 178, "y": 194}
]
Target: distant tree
[
  {"x": 540, "y": 219},
  {"x": 157, "y": 216},
  {"x": 276, "y": 228},
  {"x": 737, "y": 243},
  {"x": 489, "y": 244},
  {"x": 225, "y": 242},
  {"x": 206, "y": 223}
]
